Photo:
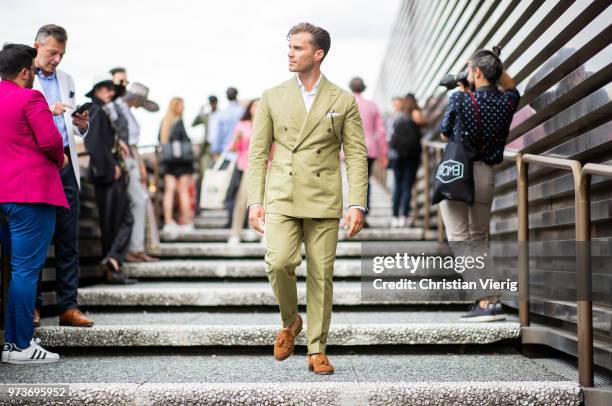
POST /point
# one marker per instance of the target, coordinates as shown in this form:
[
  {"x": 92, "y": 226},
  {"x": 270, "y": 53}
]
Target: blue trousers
[
  {"x": 404, "y": 172},
  {"x": 66, "y": 246},
  {"x": 31, "y": 228}
]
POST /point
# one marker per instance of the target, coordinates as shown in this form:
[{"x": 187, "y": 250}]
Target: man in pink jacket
[
  {"x": 30, "y": 191},
  {"x": 373, "y": 127}
]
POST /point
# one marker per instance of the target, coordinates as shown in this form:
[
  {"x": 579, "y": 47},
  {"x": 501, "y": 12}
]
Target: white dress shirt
[{"x": 306, "y": 95}]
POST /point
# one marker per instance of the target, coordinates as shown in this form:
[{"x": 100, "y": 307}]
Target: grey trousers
[
  {"x": 471, "y": 223},
  {"x": 138, "y": 199}
]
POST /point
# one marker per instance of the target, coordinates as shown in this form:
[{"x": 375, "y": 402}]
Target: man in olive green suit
[{"x": 304, "y": 122}]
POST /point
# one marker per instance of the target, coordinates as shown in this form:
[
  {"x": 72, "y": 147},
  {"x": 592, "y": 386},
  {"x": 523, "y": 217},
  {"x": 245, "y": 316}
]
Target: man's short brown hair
[
  {"x": 51, "y": 30},
  {"x": 320, "y": 37}
]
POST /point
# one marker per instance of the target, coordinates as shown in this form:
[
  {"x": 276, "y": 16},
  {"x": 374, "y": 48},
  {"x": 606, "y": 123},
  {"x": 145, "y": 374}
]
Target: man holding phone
[{"x": 58, "y": 89}]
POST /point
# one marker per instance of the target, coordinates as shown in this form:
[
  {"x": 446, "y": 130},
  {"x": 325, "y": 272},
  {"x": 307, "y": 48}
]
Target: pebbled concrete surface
[
  {"x": 344, "y": 249},
  {"x": 372, "y": 234},
  {"x": 359, "y": 380},
  {"x": 249, "y": 268},
  {"x": 142, "y": 329},
  {"x": 237, "y": 294}
]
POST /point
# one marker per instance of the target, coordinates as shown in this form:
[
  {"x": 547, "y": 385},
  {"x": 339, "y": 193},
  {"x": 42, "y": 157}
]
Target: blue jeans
[
  {"x": 404, "y": 172},
  {"x": 31, "y": 228}
]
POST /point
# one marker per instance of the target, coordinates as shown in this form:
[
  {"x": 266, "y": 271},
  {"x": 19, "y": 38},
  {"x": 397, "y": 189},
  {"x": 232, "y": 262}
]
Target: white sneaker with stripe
[{"x": 34, "y": 354}]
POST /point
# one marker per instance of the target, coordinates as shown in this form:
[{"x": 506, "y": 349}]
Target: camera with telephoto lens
[{"x": 450, "y": 81}]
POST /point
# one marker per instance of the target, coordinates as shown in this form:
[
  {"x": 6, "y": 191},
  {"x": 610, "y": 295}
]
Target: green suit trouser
[{"x": 284, "y": 236}]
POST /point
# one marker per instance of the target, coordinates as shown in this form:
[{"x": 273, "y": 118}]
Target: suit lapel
[
  {"x": 62, "y": 87},
  {"x": 295, "y": 103},
  {"x": 326, "y": 96}
]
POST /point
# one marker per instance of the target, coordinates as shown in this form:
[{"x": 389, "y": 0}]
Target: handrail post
[
  {"x": 441, "y": 230},
  {"x": 426, "y": 189},
  {"x": 523, "y": 238},
  {"x": 584, "y": 291}
]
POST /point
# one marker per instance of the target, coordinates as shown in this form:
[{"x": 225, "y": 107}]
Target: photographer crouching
[{"x": 477, "y": 121}]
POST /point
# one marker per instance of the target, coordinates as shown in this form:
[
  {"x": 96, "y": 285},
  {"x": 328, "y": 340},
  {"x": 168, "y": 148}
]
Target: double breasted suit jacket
[{"x": 304, "y": 178}]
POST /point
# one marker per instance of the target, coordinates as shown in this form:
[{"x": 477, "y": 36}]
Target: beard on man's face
[{"x": 30, "y": 82}]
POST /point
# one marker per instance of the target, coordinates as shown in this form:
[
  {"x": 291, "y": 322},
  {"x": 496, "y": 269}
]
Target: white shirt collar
[{"x": 314, "y": 88}]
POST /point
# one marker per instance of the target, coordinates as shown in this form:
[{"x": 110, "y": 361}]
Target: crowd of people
[{"x": 39, "y": 196}]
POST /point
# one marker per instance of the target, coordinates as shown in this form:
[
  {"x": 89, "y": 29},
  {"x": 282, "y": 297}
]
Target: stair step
[
  {"x": 221, "y": 234},
  {"x": 383, "y": 221},
  {"x": 235, "y": 294},
  {"x": 141, "y": 329},
  {"x": 381, "y": 209},
  {"x": 179, "y": 378},
  {"x": 242, "y": 250},
  {"x": 249, "y": 268}
]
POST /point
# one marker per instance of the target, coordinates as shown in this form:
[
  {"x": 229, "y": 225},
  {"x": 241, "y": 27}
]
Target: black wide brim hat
[{"x": 105, "y": 79}]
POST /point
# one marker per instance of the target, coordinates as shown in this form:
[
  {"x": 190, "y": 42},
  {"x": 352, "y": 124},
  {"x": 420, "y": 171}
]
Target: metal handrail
[
  {"x": 583, "y": 235},
  {"x": 582, "y": 180},
  {"x": 437, "y": 147}
]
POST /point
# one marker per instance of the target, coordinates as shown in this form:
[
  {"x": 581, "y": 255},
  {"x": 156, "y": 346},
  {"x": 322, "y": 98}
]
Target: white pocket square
[{"x": 333, "y": 114}]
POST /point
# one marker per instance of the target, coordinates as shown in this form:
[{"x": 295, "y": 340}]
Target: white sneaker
[
  {"x": 233, "y": 240},
  {"x": 250, "y": 235},
  {"x": 410, "y": 220},
  {"x": 185, "y": 228},
  {"x": 34, "y": 354},
  {"x": 402, "y": 222},
  {"x": 171, "y": 230},
  {"x": 394, "y": 222}
]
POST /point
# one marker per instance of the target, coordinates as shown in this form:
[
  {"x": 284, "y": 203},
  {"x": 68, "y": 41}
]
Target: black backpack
[{"x": 406, "y": 138}]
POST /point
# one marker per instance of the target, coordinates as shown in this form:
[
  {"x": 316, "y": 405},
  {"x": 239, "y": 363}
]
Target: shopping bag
[{"x": 216, "y": 182}]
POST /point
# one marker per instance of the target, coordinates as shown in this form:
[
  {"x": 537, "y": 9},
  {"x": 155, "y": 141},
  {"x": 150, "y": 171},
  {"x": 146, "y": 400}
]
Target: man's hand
[
  {"x": 66, "y": 161},
  {"x": 59, "y": 108},
  {"x": 81, "y": 121},
  {"x": 143, "y": 173},
  {"x": 257, "y": 215},
  {"x": 117, "y": 173},
  {"x": 383, "y": 162},
  {"x": 125, "y": 149},
  {"x": 353, "y": 222}
]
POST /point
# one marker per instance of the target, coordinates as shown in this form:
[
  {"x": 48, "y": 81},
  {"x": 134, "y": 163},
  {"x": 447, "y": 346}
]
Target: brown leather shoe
[
  {"x": 133, "y": 257},
  {"x": 36, "y": 320},
  {"x": 285, "y": 340},
  {"x": 74, "y": 318},
  {"x": 319, "y": 364},
  {"x": 144, "y": 257}
]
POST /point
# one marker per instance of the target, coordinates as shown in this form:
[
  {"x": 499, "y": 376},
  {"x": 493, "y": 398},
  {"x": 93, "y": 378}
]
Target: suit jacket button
[
  {"x": 318, "y": 174},
  {"x": 318, "y": 151},
  {"x": 284, "y": 128},
  {"x": 329, "y": 130},
  {"x": 290, "y": 173}
]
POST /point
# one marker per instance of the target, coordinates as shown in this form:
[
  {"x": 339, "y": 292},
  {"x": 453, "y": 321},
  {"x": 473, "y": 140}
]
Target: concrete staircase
[{"x": 199, "y": 327}]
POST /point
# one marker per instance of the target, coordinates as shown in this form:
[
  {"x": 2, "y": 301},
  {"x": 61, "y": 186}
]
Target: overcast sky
[{"x": 195, "y": 48}]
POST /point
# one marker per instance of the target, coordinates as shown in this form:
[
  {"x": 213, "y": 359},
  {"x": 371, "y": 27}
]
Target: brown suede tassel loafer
[
  {"x": 74, "y": 318},
  {"x": 320, "y": 365},
  {"x": 285, "y": 340}
]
